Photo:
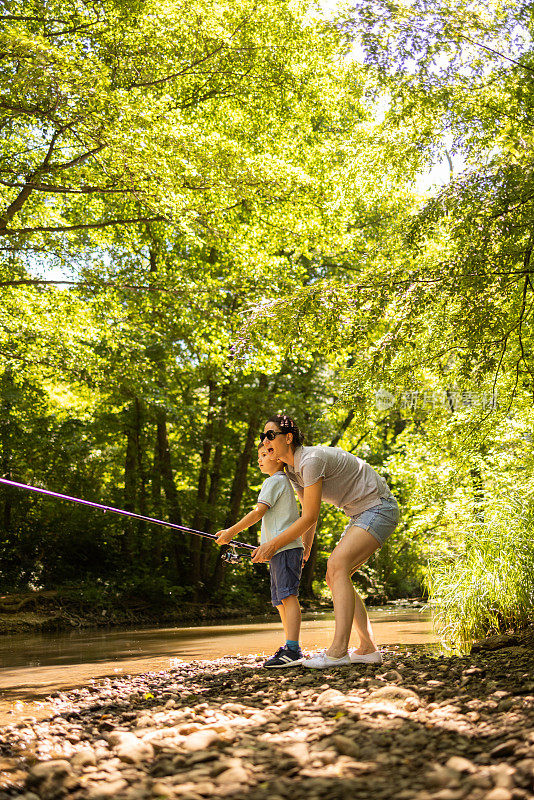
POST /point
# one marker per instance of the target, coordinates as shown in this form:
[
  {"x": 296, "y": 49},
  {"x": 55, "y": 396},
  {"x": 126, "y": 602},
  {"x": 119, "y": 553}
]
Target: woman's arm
[
  {"x": 307, "y": 541},
  {"x": 311, "y": 505},
  {"x": 226, "y": 535}
]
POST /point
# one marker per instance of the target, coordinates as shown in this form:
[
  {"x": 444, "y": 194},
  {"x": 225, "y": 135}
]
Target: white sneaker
[
  {"x": 368, "y": 658},
  {"x": 322, "y": 661}
]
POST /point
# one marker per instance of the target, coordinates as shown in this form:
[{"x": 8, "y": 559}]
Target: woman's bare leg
[
  {"x": 361, "y": 623},
  {"x": 352, "y": 551},
  {"x": 363, "y": 647}
]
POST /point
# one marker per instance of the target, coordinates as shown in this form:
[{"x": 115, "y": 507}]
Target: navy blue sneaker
[{"x": 284, "y": 657}]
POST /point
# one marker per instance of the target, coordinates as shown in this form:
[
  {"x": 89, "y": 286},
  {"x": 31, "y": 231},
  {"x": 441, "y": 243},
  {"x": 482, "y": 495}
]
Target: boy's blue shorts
[{"x": 285, "y": 569}]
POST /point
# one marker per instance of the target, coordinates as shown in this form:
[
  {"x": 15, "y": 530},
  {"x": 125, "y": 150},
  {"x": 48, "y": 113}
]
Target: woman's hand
[
  {"x": 223, "y": 537},
  {"x": 263, "y": 553},
  {"x": 307, "y": 551}
]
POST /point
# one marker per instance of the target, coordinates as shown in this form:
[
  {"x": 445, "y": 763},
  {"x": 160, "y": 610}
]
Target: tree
[{"x": 115, "y": 114}]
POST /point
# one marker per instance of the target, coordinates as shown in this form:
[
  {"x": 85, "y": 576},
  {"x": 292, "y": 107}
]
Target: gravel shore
[{"x": 417, "y": 726}]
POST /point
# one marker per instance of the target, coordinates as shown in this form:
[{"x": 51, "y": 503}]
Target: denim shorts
[
  {"x": 380, "y": 520},
  {"x": 285, "y": 569}
]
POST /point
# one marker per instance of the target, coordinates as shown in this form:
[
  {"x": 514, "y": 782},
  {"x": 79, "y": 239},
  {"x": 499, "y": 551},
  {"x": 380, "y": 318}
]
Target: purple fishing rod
[{"x": 121, "y": 511}]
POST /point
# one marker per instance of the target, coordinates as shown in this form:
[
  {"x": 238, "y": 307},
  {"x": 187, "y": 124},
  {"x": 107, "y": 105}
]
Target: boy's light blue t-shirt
[{"x": 283, "y": 511}]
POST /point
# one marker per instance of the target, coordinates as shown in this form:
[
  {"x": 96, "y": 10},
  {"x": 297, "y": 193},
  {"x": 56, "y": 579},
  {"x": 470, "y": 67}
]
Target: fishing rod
[{"x": 230, "y": 556}]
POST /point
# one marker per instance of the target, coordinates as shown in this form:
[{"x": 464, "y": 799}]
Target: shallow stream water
[{"x": 34, "y": 666}]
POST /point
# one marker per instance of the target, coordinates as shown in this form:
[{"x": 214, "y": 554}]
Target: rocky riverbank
[{"x": 417, "y": 727}]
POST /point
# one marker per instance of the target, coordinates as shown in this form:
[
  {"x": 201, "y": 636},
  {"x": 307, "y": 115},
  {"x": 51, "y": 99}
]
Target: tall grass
[{"x": 488, "y": 585}]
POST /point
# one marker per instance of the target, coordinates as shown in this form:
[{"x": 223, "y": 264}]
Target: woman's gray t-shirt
[{"x": 349, "y": 482}]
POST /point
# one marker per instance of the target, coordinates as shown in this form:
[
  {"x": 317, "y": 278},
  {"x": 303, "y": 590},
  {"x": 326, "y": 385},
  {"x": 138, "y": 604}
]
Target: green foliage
[
  {"x": 182, "y": 114},
  {"x": 487, "y": 583}
]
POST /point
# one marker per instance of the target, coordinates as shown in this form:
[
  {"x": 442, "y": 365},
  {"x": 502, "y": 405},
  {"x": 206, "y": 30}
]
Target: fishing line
[{"x": 231, "y": 557}]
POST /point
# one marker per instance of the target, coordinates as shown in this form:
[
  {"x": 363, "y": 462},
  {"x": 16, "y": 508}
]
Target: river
[{"x": 37, "y": 665}]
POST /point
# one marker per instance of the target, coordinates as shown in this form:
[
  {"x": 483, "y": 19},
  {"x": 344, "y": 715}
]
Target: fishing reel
[{"x": 231, "y": 556}]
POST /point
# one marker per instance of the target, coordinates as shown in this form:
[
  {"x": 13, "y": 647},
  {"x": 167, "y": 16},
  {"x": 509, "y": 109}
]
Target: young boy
[{"x": 277, "y": 509}]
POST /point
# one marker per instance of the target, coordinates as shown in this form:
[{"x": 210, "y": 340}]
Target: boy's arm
[{"x": 226, "y": 535}]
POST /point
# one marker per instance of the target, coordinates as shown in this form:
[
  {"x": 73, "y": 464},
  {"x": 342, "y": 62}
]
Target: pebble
[
  {"x": 391, "y": 693},
  {"x": 83, "y": 758},
  {"x": 499, "y": 794},
  {"x": 106, "y": 790},
  {"x": 232, "y": 776},
  {"x": 130, "y": 748},
  {"x": 411, "y": 704},
  {"x": 392, "y": 675},
  {"x": 503, "y": 776},
  {"x": 299, "y": 751},
  {"x": 504, "y": 749},
  {"x": 346, "y": 746},
  {"x": 460, "y": 764},
  {"x": 330, "y": 697},
  {"x": 441, "y": 776},
  {"x": 200, "y": 740},
  {"x": 50, "y": 770},
  {"x": 447, "y": 794}
]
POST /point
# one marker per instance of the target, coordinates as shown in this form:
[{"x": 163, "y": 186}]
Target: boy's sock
[{"x": 292, "y": 645}]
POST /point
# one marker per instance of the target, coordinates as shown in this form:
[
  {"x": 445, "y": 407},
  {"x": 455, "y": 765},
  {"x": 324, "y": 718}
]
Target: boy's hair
[{"x": 288, "y": 425}]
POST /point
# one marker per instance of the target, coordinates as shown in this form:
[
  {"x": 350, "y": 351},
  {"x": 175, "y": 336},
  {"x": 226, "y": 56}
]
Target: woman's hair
[{"x": 288, "y": 425}]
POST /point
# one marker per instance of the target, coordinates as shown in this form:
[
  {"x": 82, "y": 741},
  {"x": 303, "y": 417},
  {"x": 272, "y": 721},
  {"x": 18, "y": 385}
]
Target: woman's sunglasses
[{"x": 270, "y": 435}]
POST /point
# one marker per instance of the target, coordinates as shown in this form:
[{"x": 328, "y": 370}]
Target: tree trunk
[
  {"x": 180, "y": 543},
  {"x": 162, "y": 474},
  {"x": 239, "y": 485},
  {"x": 196, "y": 543},
  {"x": 140, "y": 468},
  {"x": 155, "y": 480},
  {"x": 171, "y": 494},
  {"x": 213, "y": 495},
  {"x": 344, "y": 425},
  {"x": 155, "y": 494},
  {"x": 5, "y": 439},
  {"x": 130, "y": 480}
]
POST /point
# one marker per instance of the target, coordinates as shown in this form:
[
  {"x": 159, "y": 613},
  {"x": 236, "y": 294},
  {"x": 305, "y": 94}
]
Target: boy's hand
[
  {"x": 223, "y": 537},
  {"x": 307, "y": 551},
  {"x": 263, "y": 553}
]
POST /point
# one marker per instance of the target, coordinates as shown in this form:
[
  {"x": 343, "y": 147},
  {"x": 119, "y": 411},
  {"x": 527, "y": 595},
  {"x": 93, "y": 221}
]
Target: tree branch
[
  {"x": 27, "y": 188},
  {"x": 75, "y": 162},
  {"x": 49, "y": 187},
  {"x": 60, "y": 229},
  {"x": 23, "y": 195},
  {"x": 86, "y": 284},
  {"x": 495, "y": 52}
]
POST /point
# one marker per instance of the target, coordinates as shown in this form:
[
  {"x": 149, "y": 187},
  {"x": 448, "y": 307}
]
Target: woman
[{"x": 337, "y": 477}]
